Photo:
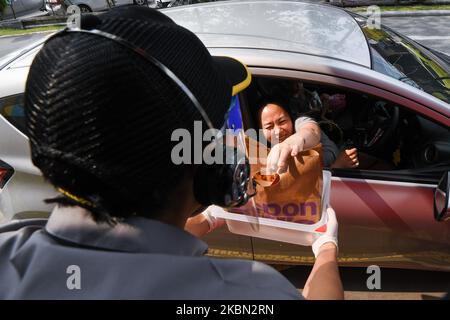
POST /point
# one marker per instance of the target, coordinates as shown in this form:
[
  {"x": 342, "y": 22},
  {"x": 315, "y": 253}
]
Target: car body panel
[
  {"x": 277, "y": 25},
  {"x": 388, "y": 224},
  {"x": 405, "y": 232},
  {"x": 22, "y": 7},
  {"x": 16, "y": 199},
  {"x": 123, "y": 2},
  {"x": 17, "y": 6},
  {"x": 7, "y": 60},
  {"x": 321, "y": 66},
  {"x": 15, "y": 196},
  {"x": 94, "y": 5},
  {"x": 319, "y": 69},
  {"x": 29, "y": 5}
]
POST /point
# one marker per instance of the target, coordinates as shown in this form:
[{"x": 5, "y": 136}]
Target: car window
[
  {"x": 388, "y": 137},
  {"x": 12, "y": 109},
  {"x": 404, "y": 60}
]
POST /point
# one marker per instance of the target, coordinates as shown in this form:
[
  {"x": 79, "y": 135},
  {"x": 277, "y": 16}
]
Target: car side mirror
[{"x": 441, "y": 199}]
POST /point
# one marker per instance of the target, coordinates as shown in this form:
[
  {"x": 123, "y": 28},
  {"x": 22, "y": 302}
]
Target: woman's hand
[
  {"x": 280, "y": 153},
  {"x": 307, "y": 136},
  {"x": 347, "y": 159}
]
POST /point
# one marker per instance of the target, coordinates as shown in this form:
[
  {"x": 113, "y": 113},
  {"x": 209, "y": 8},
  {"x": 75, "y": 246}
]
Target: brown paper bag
[{"x": 297, "y": 195}]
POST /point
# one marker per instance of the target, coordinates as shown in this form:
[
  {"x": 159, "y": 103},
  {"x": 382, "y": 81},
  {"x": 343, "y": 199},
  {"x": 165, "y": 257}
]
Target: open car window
[{"x": 393, "y": 142}]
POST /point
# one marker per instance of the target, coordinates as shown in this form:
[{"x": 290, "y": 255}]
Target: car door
[
  {"x": 385, "y": 217},
  {"x": 122, "y": 2},
  {"x": 17, "y": 6},
  {"x": 32, "y": 5}
]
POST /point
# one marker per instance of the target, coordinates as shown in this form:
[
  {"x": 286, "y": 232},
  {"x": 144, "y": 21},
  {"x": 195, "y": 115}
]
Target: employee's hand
[
  {"x": 213, "y": 222},
  {"x": 277, "y": 160},
  {"x": 330, "y": 236},
  {"x": 203, "y": 223},
  {"x": 324, "y": 281}
]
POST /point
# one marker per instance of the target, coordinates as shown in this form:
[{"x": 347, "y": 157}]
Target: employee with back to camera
[{"x": 101, "y": 105}]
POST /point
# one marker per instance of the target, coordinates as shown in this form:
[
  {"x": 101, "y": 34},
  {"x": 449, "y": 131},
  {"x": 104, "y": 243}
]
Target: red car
[{"x": 397, "y": 113}]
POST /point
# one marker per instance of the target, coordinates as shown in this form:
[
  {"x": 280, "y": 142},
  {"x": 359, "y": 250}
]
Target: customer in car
[
  {"x": 101, "y": 108},
  {"x": 277, "y": 125}
]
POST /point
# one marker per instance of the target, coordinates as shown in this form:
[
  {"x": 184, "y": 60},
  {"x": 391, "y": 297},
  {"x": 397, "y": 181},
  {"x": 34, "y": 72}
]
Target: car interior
[{"x": 388, "y": 137}]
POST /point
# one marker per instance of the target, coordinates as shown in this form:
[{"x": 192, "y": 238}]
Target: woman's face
[{"x": 276, "y": 123}]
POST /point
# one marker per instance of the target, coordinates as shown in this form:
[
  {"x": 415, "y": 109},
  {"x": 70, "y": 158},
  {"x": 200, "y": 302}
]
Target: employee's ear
[{"x": 190, "y": 176}]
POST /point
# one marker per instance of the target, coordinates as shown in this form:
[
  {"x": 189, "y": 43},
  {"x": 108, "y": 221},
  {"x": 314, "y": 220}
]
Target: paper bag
[{"x": 296, "y": 197}]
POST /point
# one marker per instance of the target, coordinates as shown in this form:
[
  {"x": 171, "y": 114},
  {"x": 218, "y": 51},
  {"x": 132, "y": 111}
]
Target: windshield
[{"x": 403, "y": 59}]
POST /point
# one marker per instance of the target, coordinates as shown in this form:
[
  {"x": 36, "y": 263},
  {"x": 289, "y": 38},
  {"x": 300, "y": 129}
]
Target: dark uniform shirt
[{"x": 72, "y": 257}]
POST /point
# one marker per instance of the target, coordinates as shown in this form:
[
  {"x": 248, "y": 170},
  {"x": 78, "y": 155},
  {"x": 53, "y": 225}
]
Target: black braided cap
[{"x": 100, "y": 117}]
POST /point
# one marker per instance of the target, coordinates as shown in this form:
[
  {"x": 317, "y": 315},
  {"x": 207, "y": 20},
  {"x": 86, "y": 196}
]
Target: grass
[
  {"x": 17, "y": 32},
  {"x": 405, "y": 8}
]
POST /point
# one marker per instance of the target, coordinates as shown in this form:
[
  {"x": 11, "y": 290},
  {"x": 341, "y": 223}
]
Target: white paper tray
[{"x": 266, "y": 228}]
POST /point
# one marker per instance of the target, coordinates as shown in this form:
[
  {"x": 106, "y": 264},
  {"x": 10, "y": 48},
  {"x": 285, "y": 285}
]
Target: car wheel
[
  {"x": 140, "y": 2},
  {"x": 84, "y": 8}
]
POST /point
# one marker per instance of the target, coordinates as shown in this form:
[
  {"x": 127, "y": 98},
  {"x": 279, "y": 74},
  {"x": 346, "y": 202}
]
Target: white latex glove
[
  {"x": 280, "y": 153},
  {"x": 213, "y": 221},
  {"x": 331, "y": 235}
]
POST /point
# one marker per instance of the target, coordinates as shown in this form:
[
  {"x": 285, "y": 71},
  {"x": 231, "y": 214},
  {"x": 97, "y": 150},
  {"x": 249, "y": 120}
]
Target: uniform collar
[{"x": 134, "y": 234}]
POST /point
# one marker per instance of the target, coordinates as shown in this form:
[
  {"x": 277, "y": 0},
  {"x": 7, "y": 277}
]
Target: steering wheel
[{"x": 376, "y": 127}]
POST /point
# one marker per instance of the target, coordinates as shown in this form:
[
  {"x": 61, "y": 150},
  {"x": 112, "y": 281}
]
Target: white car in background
[
  {"x": 102, "y": 5},
  {"x": 21, "y": 8}
]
